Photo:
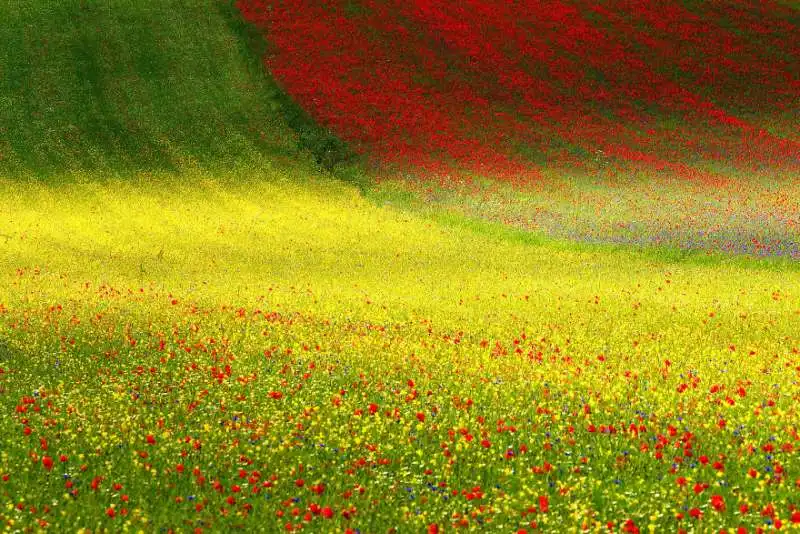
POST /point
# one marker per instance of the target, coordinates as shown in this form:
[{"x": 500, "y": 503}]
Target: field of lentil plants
[{"x": 215, "y": 317}]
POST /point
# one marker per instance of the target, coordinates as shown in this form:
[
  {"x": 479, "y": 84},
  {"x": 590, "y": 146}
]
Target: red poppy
[{"x": 544, "y": 504}]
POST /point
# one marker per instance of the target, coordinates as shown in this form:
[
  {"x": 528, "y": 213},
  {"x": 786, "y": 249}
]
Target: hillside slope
[
  {"x": 695, "y": 89},
  {"x": 137, "y": 86}
]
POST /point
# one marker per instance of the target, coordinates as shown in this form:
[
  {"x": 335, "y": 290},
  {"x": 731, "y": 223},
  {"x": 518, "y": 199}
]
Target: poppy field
[
  {"x": 288, "y": 355},
  {"x": 355, "y": 267},
  {"x": 688, "y": 89}
]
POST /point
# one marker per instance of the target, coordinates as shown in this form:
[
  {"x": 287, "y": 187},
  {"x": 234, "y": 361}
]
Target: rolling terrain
[
  {"x": 358, "y": 266},
  {"x": 675, "y": 87}
]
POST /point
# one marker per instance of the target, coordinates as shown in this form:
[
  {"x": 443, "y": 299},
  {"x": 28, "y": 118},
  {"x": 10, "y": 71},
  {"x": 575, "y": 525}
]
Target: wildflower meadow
[{"x": 387, "y": 267}]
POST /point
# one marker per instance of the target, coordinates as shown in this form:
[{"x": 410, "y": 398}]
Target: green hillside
[{"x": 129, "y": 85}]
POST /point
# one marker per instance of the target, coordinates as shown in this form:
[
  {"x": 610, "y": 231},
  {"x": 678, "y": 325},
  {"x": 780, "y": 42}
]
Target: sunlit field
[
  {"x": 286, "y": 354},
  {"x": 359, "y": 266}
]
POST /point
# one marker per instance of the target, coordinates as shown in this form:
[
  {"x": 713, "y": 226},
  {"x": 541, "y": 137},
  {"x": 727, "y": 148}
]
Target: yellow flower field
[{"x": 285, "y": 354}]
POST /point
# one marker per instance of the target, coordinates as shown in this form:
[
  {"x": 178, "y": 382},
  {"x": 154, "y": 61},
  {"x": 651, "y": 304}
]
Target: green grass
[{"x": 127, "y": 86}]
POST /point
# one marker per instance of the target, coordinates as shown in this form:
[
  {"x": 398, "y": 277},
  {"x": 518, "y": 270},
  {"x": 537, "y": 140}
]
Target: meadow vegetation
[
  {"x": 124, "y": 87},
  {"x": 215, "y": 316},
  {"x": 227, "y": 353}
]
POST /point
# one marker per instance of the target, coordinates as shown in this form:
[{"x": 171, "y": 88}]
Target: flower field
[
  {"x": 753, "y": 215},
  {"x": 287, "y": 355},
  {"x": 512, "y": 88},
  {"x": 359, "y": 266}
]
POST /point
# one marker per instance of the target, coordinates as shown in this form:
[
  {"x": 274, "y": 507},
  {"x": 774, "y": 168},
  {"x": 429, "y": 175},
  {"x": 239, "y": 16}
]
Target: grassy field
[
  {"x": 213, "y": 318},
  {"x": 125, "y": 86},
  {"x": 283, "y": 353}
]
